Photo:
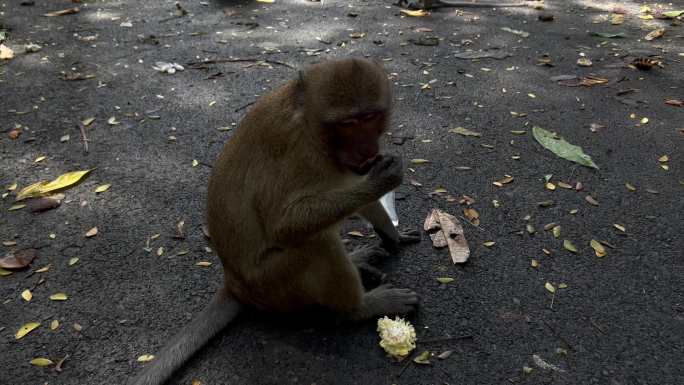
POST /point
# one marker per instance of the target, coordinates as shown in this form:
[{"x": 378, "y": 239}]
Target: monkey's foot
[
  {"x": 368, "y": 255},
  {"x": 405, "y": 237},
  {"x": 387, "y": 300}
]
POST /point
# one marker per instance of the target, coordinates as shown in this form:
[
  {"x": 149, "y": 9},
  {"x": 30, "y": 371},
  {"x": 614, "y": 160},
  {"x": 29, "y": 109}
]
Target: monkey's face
[{"x": 355, "y": 141}]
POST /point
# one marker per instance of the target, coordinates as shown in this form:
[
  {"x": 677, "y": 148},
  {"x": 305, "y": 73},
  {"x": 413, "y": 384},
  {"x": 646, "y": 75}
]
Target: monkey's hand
[{"x": 386, "y": 175}]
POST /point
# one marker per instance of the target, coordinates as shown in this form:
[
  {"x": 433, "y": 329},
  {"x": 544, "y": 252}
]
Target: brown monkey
[
  {"x": 434, "y": 4},
  {"x": 302, "y": 160}
]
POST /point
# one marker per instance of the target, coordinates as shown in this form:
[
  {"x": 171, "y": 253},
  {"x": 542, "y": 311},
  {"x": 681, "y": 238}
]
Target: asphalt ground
[{"x": 618, "y": 320}]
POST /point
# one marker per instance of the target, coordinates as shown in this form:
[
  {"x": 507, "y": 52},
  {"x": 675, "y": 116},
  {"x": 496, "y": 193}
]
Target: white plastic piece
[{"x": 387, "y": 202}]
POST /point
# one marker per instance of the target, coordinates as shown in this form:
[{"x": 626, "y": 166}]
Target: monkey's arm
[
  {"x": 382, "y": 224},
  {"x": 434, "y": 4}
]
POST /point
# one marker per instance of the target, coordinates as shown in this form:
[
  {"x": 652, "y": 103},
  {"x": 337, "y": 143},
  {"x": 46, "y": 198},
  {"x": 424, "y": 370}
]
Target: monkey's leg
[
  {"x": 340, "y": 289},
  {"x": 382, "y": 224}
]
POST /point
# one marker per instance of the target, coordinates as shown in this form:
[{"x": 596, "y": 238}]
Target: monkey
[
  {"x": 303, "y": 159},
  {"x": 435, "y": 4}
]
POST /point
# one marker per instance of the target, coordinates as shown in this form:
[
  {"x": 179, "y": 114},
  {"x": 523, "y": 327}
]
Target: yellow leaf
[
  {"x": 550, "y": 186},
  {"x": 146, "y": 358},
  {"x": 556, "y": 231},
  {"x": 665, "y": 167},
  {"x": 617, "y": 19},
  {"x": 102, "y": 188},
  {"x": 646, "y": 17},
  {"x": 356, "y": 234},
  {"x": 77, "y": 327},
  {"x": 534, "y": 263},
  {"x": 112, "y": 121},
  {"x": 4, "y": 273},
  {"x": 58, "y": 297},
  {"x": 416, "y": 13},
  {"x": 644, "y": 120},
  {"x": 562, "y": 286},
  {"x": 564, "y": 185},
  {"x": 91, "y": 233},
  {"x": 12, "y": 187},
  {"x": 211, "y": 103},
  {"x": 73, "y": 261},
  {"x": 26, "y": 295},
  {"x": 43, "y": 269},
  {"x": 598, "y": 248},
  {"x": 40, "y": 159},
  {"x": 87, "y": 122},
  {"x": 160, "y": 251},
  {"x": 663, "y": 159},
  {"x": 203, "y": 263},
  {"x": 630, "y": 187},
  {"x": 445, "y": 280},
  {"x": 489, "y": 243},
  {"x": 569, "y": 246},
  {"x": 619, "y": 227},
  {"x": 41, "y": 362},
  {"x": 16, "y": 207},
  {"x": 26, "y": 329},
  {"x": 63, "y": 181},
  {"x": 549, "y": 287},
  {"x": 419, "y": 161},
  {"x": 54, "y": 324},
  {"x": 195, "y": 163}
]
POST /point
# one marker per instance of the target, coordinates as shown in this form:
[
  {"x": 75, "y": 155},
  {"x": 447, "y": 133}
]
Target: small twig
[
  {"x": 443, "y": 339},
  {"x": 84, "y": 137},
  {"x": 237, "y": 60},
  {"x": 555, "y": 333},
  {"x": 245, "y": 106},
  {"x": 597, "y": 326}
]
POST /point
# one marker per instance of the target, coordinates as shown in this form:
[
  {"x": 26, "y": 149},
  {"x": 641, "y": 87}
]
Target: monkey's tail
[{"x": 221, "y": 310}]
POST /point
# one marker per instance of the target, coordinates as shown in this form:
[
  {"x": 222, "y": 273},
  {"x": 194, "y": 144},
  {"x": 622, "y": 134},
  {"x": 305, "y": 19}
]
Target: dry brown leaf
[
  {"x": 19, "y": 259},
  {"x": 68, "y": 11},
  {"x": 91, "y": 233},
  {"x": 446, "y": 230},
  {"x": 472, "y": 215},
  {"x": 655, "y": 34},
  {"x": 591, "y": 200},
  {"x": 6, "y": 52}
]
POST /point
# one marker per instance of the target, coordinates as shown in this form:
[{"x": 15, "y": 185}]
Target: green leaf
[
  {"x": 562, "y": 148},
  {"x": 608, "y": 35},
  {"x": 673, "y": 14}
]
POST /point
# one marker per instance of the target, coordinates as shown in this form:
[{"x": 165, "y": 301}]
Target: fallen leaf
[
  {"x": 77, "y": 327},
  {"x": 88, "y": 121},
  {"x": 414, "y": 13},
  {"x": 446, "y": 230},
  {"x": 620, "y": 227},
  {"x": 146, "y": 358},
  {"x": 663, "y": 159},
  {"x": 516, "y": 32},
  {"x": 419, "y": 161},
  {"x": 43, "y": 269},
  {"x": 73, "y": 261},
  {"x": 506, "y": 179},
  {"x": 4, "y": 273},
  {"x": 617, "y": 19},
  {"x": 26, "y": 295},
  {"x": 556, "y": 231},
  {"x": 591, "y": 200},
  {"x": 91, "y": 233},
  {"x": 548, "y": 286},
  {"x": 550, "y": 186},
  {"x": 41, "y": 204},
  {"x": 40, "y": 361},
  {"x": 489, "y": 243},
  {"x": 561, "y": 147},
  {"x": 40, "y": 159},
  {"x": 16, "y": 207},
  {"x": 26, "y": 329},
  {"x": 630, "y": 187},
  {"x": 598, "y": 248},
  {"x": 655, "y": 34},
  {"x": 355, "y": 233},
  {"x": 673, "y": 14},
  {"x": 102, "y": 188},
  {"x": 464, "y": 132},
  {"x": 58, "y": 297},
  {"x": 545, "y": 365},
  {"x": 423, "y": 358},
  {"x": 18, "y": 259},
  {"x": 203, "y": 263},
  {"x": 444, "y": 355},
  {"x": 675, "y": 102},
  {"x": 68, "y": 11},
  {"x": 63, "y": 181},
  {"x": 54, "y": 324},
  {"x": 472, "y": 215},
  {"x": 569, "y": 246},
  {"x": 445, "y": 280},
  {"x": 534, "y": 263},
  {"x": 112, "y": 121},
  {"x": 584, "y": 62},
  {"x": 195, "y": 163}
]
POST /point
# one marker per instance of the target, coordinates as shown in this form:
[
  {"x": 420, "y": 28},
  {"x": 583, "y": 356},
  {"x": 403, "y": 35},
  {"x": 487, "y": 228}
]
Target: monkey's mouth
[{"x": 364, "y": 167}]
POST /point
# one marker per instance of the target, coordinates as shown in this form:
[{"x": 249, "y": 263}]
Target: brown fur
[{"x": 277, "y": 196}]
